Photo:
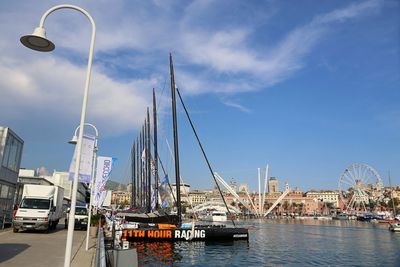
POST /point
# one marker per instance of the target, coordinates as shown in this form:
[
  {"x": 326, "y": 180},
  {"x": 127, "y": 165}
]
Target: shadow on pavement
[
  {"x": 10, "y": 250},
  {"x": 60, "y": 227}
]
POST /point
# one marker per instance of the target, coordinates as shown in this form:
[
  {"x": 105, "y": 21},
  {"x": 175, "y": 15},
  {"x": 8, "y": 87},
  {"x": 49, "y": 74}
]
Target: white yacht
[{"x": 216, "y": 216}]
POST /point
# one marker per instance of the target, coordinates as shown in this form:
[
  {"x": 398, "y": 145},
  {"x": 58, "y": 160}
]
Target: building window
[
  {"x": 12, "y": 153},
  {"x": 11, "y": 192},
  {"x": 4, "y": 191}
]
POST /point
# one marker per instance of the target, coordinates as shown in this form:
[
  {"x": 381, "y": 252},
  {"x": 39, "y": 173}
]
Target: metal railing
[{"x": 100, "y": 250}]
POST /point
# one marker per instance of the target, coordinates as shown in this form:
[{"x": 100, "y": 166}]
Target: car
[{"x": 81, "y": 218}]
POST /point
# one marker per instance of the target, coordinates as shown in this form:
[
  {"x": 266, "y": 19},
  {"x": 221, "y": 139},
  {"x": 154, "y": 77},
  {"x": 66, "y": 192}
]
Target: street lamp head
[
  {"x": 38, "y": 41},
  {"x": 74, "y": 140}
]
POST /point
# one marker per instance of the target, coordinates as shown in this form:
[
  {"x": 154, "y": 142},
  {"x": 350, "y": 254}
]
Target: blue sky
[{"x": 307, "y": 87}]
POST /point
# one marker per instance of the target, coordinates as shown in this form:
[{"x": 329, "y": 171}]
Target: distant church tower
[
  {"x": 243, "y": 188},
  {"x": 273, "y": 186},
  {"x": 233, "y": 184},
  {"x": 286, "y": 186}
]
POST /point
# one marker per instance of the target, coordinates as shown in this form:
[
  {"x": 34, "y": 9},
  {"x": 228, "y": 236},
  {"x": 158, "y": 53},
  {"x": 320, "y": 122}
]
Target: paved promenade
[{"x": 29, "y": 248}]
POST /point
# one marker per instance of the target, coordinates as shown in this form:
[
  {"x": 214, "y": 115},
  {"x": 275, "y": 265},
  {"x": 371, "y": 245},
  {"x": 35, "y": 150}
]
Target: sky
[{"x": 307, "y": 87}]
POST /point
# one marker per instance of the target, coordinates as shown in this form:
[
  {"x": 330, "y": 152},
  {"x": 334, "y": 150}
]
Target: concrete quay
[{"x": 34, "y": 249}]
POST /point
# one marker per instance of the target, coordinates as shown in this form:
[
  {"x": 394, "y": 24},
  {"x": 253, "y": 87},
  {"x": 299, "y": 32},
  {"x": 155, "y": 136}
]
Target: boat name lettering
[
  {"x": 132, "y": 233},
  {"x": 187, "y": 234},
  {"x": 239, "y": 235},
  {"x": 159, "y": 234}
]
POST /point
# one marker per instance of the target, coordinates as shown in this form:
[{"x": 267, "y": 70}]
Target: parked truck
[
  {"x": 81, "y": 218},
  {"x": 41, "y": 208}
]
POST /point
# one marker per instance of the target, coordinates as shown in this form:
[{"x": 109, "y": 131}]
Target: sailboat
[
  {"x": 143, "y": 201},
  {"x": 173, "y": 231}
]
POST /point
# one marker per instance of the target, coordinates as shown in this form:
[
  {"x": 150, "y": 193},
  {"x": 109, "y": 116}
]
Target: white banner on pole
[
  {"x": 85, "y": 168},
  {"x": 103, "y": 171}
]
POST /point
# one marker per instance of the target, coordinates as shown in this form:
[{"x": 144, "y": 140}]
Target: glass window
[
  {"x": 12, "y": 151},
  {"x": 4, "y": 191},
  {"x": 13, "y": 154},
  {"x": 6, "y": 151},
  {"x": 33, "y": 203},
  {"x": 80, "y": 211},
  {"x": 11, "y": 192},
  {"x": 18, "y": 158}
]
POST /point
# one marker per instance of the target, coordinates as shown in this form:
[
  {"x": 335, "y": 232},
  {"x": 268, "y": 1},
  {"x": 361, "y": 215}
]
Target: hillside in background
[{"x": 111, "y": 185}]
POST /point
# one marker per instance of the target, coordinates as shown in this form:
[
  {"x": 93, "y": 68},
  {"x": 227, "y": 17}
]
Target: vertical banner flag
[
  {"x": 143, "y": 156},
  {"x": 103, "y": 171},
  {"x": 163, "y": 192},
  {"x": 153, "y": 199},
  {"x": 85, "y": 168}
]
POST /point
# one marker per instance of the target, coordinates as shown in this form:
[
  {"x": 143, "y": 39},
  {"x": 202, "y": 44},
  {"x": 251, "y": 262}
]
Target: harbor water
[{"x": 285, "y": 242}]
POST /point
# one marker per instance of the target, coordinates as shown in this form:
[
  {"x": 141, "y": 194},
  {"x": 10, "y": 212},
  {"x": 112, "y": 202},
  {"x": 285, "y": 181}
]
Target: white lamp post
[
  {"x": 74, "y": 141},
  {"x": 38, "y": 41}
]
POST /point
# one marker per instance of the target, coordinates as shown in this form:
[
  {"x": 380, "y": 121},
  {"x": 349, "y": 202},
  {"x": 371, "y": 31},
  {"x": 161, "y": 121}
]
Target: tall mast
[
  {"x": 145, "y": 188},
  {"x": 141, "y": 168},
  {"x": 137, "y": 171},
  {"x": 155, "y": 149},
  {"x": 148, "y": 162},
  {"x": 176, "y": 150},
  {"x": 133, "y": 169}
]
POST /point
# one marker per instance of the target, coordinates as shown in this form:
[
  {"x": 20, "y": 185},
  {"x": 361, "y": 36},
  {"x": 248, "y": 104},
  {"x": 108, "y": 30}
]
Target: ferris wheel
[{"x": 359, "y": 185}]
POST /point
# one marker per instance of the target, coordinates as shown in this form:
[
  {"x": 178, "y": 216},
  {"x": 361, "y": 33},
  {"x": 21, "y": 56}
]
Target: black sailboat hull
[
  {"x": 149, "y": 218},
  {"x": 186, "y": 234}
]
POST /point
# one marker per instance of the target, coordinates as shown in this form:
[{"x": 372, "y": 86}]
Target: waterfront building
[
  {"x": 197, "y": 197},
  {"x": 325, "y": 196},
  {"x": 244, "y": 188},
  {"x": 121, "y": 198},
  {"x": 185, "y": 190},
  {"x": 10, "y": 159},
  {"x": 233, "y": 184},
  {"x": 295, "y": 203},
  {"x": 129, "y": 188},
  {"x": 286, "y": 186},
  {"x": 273, "y": 185},
  {"x": 62, "y": 179}
]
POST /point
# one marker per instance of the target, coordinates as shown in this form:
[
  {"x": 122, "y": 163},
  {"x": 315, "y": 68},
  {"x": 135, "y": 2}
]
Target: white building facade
[
  {"x": 10, "y": 159},
  {"x": 325, "y": 196}
]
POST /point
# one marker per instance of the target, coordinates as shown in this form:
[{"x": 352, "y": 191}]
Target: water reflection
[
  {"x": 284, "y": 242},
  {"x": 156, "y": 253}
]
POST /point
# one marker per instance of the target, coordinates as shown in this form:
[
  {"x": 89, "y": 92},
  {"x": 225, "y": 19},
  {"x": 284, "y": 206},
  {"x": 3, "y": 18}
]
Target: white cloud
[
  {"x": 222, "y": 51},
  {"x": 208, "y": 58},
  {"x": 229, "y": 52},
  {"x": 349, "y": 12},
  {"x": 54, "y": 85},
  {"x": 238, "y": 106}
]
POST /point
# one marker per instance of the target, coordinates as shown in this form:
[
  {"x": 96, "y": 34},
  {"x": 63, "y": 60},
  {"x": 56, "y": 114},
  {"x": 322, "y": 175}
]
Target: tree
[
  {"x": 124, "y": 204},
  {"x": 395, "y": 201},
  {"x": 301, "y": 207},
  {"x": 267, "y": 206},
  {"x": 285, "y": 205}
]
